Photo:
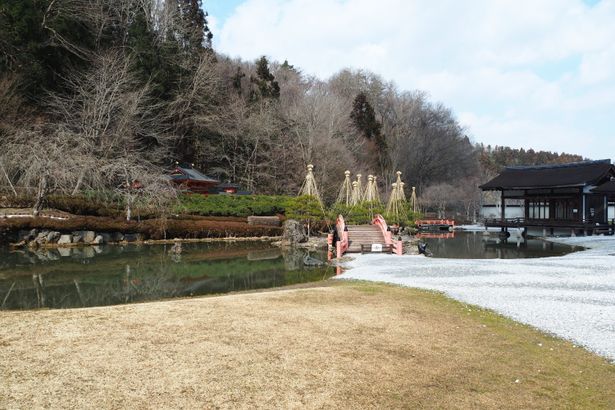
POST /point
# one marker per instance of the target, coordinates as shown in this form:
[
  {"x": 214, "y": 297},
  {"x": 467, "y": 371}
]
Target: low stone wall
[
  {"x": 14, "y": 230},
  {"x": 48, "y": 238}
]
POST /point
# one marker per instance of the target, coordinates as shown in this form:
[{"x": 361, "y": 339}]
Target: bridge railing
[
  {"x": 450, "y": 222},
  {"x": 380, "y": 222},
  {"x": 386, "y": 232},
  {"x": 341, "y": 245}
]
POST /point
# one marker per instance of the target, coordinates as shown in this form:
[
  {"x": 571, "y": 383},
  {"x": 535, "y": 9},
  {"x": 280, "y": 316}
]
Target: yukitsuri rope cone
[
  {"x": 400, "y": 186},
  {"x": 376, "y": 193},
  {"x": 371, "y": 190},
  {"x": 309, "y": 187},
  {"x": 397, "y": 199},
  {"x": 355, "y": 197},
  {"x": 359, "y": 189},
  {"x": 413, "y": 200},
  {"x": 345, "y": 195}
]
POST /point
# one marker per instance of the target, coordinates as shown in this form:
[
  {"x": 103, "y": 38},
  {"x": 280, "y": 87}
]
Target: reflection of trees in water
[
  {"x": 151, "y": 276},
  {"x": 469, "y": 245}
]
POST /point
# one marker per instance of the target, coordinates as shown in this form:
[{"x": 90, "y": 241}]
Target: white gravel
[{"x": 571, "y": 296}]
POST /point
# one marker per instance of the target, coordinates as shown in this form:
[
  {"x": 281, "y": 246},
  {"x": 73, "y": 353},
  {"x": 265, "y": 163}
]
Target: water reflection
[
  {"x": 94, "y": 276},
  {"x": 478, "y": 245}
]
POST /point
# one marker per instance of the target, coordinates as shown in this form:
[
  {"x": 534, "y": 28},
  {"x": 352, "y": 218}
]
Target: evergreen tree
[
  {"x": 364, "y": 119},
  {"x": 266, "y": 85},
  {"x": 195, "y": 33},
  {"x": 30, "y": 33},
  {"x": 152, "y": 61}
]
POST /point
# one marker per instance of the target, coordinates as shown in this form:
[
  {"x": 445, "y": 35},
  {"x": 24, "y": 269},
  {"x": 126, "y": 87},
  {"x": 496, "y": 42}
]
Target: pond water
[
  {"x": 109, "y": 275},
  {"x": 477, "y": 245}
]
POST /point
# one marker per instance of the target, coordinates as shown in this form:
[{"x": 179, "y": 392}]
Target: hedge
[{"x": 232, "y": 205}]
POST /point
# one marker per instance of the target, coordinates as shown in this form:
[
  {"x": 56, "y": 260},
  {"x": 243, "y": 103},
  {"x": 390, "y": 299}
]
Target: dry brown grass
[{"x": 341, "y": 345}]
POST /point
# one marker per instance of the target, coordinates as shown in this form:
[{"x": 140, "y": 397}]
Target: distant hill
[{"x": 493, "y": 159}]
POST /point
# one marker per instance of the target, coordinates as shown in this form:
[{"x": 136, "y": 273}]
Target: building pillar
[{"x": 503, "y": 207}]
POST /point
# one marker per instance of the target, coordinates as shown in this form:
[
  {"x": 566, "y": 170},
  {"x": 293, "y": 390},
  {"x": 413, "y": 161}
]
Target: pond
[
  {"x": 478, "y": 245},
  {"x": 109, "y": 275}
]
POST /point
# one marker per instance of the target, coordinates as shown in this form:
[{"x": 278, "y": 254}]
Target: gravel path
[{"x": 571, "y": 296}]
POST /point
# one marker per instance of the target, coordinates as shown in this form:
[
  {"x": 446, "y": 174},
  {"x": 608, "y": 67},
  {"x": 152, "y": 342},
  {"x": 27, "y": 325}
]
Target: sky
[{"x": 523, "y": 73}]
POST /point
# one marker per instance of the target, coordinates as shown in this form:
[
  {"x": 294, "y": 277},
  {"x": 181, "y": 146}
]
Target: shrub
[
  {"x": 306, "y": 209},
  {"x": 359, "y": 214},
  {"x": 364, "y": 213},
  {"x": 232, "y": 205}
]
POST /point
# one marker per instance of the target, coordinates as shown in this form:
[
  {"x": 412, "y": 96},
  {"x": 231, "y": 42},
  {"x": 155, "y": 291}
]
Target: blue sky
[{"x": 522, "y": 73}]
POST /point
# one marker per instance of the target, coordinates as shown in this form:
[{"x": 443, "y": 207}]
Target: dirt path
[{"x": 345, "y": 345}]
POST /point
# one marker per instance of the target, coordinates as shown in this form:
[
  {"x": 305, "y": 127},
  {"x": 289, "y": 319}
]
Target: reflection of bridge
[
  {"x": 435, "y": 235},
  {"x": 375, "y": 237}
]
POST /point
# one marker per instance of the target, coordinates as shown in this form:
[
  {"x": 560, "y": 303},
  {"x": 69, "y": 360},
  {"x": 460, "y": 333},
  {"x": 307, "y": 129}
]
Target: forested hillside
[{"x": 98, "y": 94}]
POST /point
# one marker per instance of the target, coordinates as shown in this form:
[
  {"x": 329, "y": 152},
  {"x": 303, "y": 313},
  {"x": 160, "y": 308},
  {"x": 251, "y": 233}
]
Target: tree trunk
[
  {"x": 8, "y": 179},
  {"x": 128, "y": 211},
  {"x": 40, "y": 195},
  {"x": 78, "y": 184}
]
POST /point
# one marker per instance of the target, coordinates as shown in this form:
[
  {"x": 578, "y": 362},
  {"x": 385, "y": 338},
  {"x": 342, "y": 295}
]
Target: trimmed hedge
[
  {"x": 363, "y": 213},
  {"x": 232, "y": 205}
]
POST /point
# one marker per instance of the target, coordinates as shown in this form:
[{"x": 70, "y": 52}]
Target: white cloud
[{"x": 486, "y": 59}]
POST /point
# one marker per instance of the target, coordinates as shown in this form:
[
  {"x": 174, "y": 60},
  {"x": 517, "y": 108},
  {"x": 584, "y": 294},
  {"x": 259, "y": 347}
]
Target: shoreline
[{"x": 151, "y": 242}]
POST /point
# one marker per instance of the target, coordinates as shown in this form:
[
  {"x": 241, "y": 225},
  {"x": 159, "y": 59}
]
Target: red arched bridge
[{"x": 375, "y": 237}]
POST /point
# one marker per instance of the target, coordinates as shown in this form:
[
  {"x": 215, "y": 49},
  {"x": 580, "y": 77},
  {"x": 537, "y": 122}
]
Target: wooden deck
[
  {"x": 362, "y": 237},
  {"x": 521, "y": 223}
]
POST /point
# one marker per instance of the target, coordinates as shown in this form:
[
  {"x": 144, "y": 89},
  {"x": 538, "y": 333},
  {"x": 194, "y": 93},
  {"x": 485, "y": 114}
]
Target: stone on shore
[
  {"x": 78, "y": 237},
  {"x": 88, "y": 236},
  {"x": 293, "y": 233},
  {"x": 117, "y": 237},
  {"x": 133, "y": 237},
  {"x": 53, "y": 236},
  {"x": 65, "y": 240}
]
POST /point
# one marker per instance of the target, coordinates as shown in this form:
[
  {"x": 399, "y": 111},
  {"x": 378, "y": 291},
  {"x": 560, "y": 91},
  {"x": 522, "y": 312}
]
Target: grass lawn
[{"x": 338, "y": 344}]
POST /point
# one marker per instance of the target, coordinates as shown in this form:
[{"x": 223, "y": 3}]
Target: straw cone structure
[
  {"x": 345, "y": 195},
  {"x": 371, "y": 190},
  {"x": 397, "y": 199},
  {"x": 355, "y": 197},
  {"x": 360, "y": 189},
  {"x": 309, "y": 187},
  {"x": 376, "y": 193},
  {"x": 413, "y": 200}
]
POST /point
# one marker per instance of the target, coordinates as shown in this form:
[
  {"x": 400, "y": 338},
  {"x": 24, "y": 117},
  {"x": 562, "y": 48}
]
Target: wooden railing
[
  {"x": 380, "y": 222},
  {"x": 521, "y": 222},
  {"x": 449, "y": 222},
  {"x": 396, "y": 245},
  {"x": 342, "y": 244}
]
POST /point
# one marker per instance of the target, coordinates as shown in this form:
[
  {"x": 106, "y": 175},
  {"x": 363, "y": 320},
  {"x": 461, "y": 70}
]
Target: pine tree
[
  {"x": 29, "y": 43},
  {"x": 267, "y": 86},
  {"x": 195, "y": 33},
  {"x": 364, "y": 119}
]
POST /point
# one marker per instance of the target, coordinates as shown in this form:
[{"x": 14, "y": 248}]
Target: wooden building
[
  {"x": 192, "y": 180},
  {"x": 195, "y": 182},
  {"x": 575, "y": 196}
]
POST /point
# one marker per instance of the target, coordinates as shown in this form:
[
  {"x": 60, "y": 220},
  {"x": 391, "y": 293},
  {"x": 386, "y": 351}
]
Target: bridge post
[{"x": 399, "y": 248}]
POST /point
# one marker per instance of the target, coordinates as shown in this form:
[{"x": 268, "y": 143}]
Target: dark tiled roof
[
  {"x": 606, "y": 188},
  {"x": 547, "y": 176},
  {"x": 182, "y": 173}
]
